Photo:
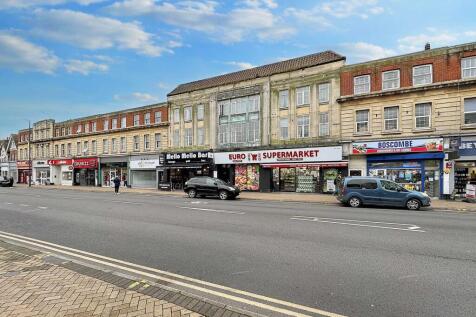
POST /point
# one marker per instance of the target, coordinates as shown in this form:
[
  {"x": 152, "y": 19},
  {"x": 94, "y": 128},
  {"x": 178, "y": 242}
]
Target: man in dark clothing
[{"x": 117, "y": 184}]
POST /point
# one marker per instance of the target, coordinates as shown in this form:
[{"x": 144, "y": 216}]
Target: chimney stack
[{"x": 427, "y": 46}]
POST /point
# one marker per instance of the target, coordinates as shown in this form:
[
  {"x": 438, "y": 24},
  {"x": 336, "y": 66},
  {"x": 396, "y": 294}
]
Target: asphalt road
[{"x": 355, "y": 262}]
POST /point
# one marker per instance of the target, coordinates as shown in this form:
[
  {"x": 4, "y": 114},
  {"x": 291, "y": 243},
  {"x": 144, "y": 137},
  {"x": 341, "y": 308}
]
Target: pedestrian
[
  {"x": 337, "y": 183},
  {"x": 117, "y": 184}
]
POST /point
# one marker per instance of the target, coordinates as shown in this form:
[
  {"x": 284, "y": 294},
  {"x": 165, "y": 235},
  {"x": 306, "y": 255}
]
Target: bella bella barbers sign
[{"x": 188, "y": 157}]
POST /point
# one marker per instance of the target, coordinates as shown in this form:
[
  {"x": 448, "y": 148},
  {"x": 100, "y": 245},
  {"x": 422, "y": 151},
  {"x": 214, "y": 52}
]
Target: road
[{"x": 354, "y": 262}]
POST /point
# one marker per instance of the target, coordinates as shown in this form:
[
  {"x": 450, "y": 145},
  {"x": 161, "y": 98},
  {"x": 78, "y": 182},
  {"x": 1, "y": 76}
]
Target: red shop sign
[
  {"x": 60, "y": 162},
  {"x": 23, "y": 164},
  {"x": 85, "y": 163}
]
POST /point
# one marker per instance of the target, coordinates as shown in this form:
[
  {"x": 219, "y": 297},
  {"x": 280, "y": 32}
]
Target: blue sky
[{"x": 63, "y": 59}]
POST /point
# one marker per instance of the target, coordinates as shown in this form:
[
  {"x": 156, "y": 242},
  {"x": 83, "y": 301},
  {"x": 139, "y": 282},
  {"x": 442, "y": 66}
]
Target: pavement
[
  {"x": 32, "y": 283},
  {"x": 436, "y": 204}
]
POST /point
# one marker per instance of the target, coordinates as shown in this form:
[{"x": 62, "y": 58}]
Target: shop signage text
[
  {"x": 85, "y": 163},
  {"x": 23, "y": 164},
  {"x": 398, "y": 146},
  {"x": 467, "y": 146},
  {"x": 40, "y": 163},
  {"x": 60, "y": 162},
  {"x": 300, "y": 155},
  {"x": 144, "y": 164},
  {"x": 188, "y": 157}
]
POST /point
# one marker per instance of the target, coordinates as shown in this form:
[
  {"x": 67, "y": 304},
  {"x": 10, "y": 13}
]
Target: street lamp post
[{"x": 29, "y": 154}]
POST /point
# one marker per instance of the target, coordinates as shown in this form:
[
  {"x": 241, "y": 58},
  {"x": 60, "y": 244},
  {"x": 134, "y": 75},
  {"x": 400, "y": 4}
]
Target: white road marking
[
  {"x": 25, "y": 205},
  {"x": 213, "y": 210},
  {"x": 362, "y": 223},
  {"x": 9, "y": 203},
  {"x": 42, "y": 207},
  {"x": 89, "y": 257}
]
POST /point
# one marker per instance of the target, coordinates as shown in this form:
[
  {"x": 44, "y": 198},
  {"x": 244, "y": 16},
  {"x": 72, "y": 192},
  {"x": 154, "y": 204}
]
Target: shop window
[
  {"x": 158, "y": 140},
  {"x": 158, "y": 117},
  {"x": 123, "y": 144},
  {"x": 470, "y": 111},
  {"x": 303, "y": 96},
  {"x": 422, "y": 115},
  {"x": 362, "y": 121},
  {"x": 200, "y": 136},
  {"x": 105, "y": 146},
  {"x": 355, "y": 173},
  {"x": 391, "y": 79},
  {"x": 323, "y": 124},
  {"x": 324, "y": 93},
  {"x": 247, "y": 177},
  {"x": 362, "y": 84},
  {"x": 284, "y": 99},
  {"x": 147, "y": 118},
  {"x": 136, "y": 143},
  {"x": 422, "y": 75},
  {"x": 200, "y": 112},
  {"x": 303, "y": 127},
  {"x": 468, "y": 67},
  {"x": 187, "y": 114},
  {"x": 136, "y": 120},
  {"x": 284, "y": 128},
  {"x": 390, "y": 118}
]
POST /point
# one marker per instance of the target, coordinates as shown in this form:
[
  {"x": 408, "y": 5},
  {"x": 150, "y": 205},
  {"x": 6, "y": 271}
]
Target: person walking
[{"x": 117, "y": 184}]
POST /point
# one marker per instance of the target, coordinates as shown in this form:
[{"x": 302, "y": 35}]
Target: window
[
  {"x": 158, "y": 117},
  {"x": 136, "y": 120},
  {"x": 86, "y": 128},
  {"x": 68, "y": 130},
  {"x": 176, "y": 117},
  {"x": 323, "y": 124},
  {"x": 200, "y": 112},
  {"x": 422, "y": 75},
  {"x": 188, "y": 137},
  {"x": 362, "y": 121},
  {"x": 200, "y": 136},
  {"x": 70, "y": 152},
  {"x": 85, "y": 148},
  {"x": 147, "y": 118},
  {"x": 391, "y": 118},
  {"x": 158, "y": 140},
  {"x": 387, "y": 185},
  {"x": 78, "y": 148},
  {"x": 114, "y": 123},
  {"x": 302, "y": 96},
  {"x": 56, "y": 150},
  {"x": 105, "y": 146},
  {"x": 187, "y": 114},
  {"x": 391, "y": 79},
  {"x": 324, "y": 93},
  {"x": 176, "y": 137},
  {"x": 123, "y": 122},
  {"x": 114, "y": 145},
  {"x": 362, "y": 184},
  {"x": 470, "y": 111},
  {"x": 106, "y": 124},
  {"x": 468, "y": 67},
  {"x": 93, "y": 126},
  {"x": 63, "y": 130},
  {"x": 136, "y": 143},
  {"x": 93, "y": 147},
  {"x": 57, "y": 132},
  {"x": 422, "y": 115},
  {"x": 123, "y": 144},
  {"x": 303, "y": 127},
  {"x": 146, "y": 142},
  {"x": 284, "y": 128},
  {"x": 78, "y": 128},
  {"x": 283, "y": 99},
  {"x": 362, "y": 84}
]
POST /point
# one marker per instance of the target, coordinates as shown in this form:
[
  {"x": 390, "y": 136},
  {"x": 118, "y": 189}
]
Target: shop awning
[{"x": 322, "y": 164}]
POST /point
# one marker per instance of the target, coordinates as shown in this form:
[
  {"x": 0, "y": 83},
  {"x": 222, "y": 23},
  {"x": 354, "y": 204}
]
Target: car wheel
[
  {"x": 355, "y": 202},
  {"x": 192, "y": 193},
  {"x": 223, "y": 194},
  {"x": 413, "y": 204}
]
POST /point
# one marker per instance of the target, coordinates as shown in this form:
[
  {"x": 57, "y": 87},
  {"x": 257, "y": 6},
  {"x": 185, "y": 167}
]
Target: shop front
[
  {"x": 41, "y": 172},
  {"x": 112, "y": 167},
  {"x": 85, "y": 171},
  {"x": 305, "y": 170},
  {"x": 465, "y": 165},
  {"x": 9, "y": 169},
  {"x": 61, "y": 172},
  {"x": 416, "y": 164},
  {"x": 24, "y": 171},
  {"x": 143, "y": 171},
  {"x": 180, "y": 167}
]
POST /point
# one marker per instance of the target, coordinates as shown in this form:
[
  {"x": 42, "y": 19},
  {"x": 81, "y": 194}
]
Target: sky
[{"x": 63, "y": 59}]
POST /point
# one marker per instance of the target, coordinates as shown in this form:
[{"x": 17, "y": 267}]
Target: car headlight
[
  {"x": 231, "y": 188},
  {"x": 425, "y": 194}
]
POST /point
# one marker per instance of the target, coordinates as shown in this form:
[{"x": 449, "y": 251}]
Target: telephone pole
[{"x": 29, "y": 154}]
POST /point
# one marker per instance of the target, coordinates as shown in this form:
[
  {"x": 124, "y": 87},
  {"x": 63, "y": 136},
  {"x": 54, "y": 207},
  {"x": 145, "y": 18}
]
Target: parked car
[
  {"x": 358, "y": 191},
  {"x": 209, "y": 186},
  {"x": 6, "y": 182}
]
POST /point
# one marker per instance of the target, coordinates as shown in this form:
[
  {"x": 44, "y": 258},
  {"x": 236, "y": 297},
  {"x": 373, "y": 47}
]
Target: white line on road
[
  {"x": 174, "y": 279},
  {"x": 25, "y": 205},
  {"x": 214, "y": 210},
  {"x": 362, "y": 223},
  {"x": 9, "y": 203},
  {"x": 42, "y": 207}
]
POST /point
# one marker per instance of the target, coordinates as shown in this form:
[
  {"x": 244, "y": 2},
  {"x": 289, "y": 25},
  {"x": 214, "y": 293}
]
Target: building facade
[
  {"x": 8, "y": 157},
  {"x": 405, "y": 118}
]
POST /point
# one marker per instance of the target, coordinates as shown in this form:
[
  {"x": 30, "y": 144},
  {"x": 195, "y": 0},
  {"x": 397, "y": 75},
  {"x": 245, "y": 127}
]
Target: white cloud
[
  {"x": 22, "y": 56},
  {"x": 347, "y": 8},
  {"x": 414, "y": 43},
  {"x": 84, "y": 67},
  {"x": 93, "y": 33},
  {"x": 136, "y": 97},
  {"x": 362, "y": 51},
  {"x": 309, "y": 17},
  {"x": 241, "y": 65},
  {"x": 251, "y": 19},
  {"x": 22, "y": 4},
  {"x": 164, "y": 86},
  {"x": 145, "y": 97}
]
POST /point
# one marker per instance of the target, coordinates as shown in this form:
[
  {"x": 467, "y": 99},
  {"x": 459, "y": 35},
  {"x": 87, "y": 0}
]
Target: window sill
[
  {"x": 302, "y": 106},
  {"x": 391, "y": 132},
  {"x": 287, "y": 108},
  {"x": 362, "y": 133},
  {"x": 420, "y": 130},
  {"x": 468, "y": 126},
  {"x": 323, "y": 103}
]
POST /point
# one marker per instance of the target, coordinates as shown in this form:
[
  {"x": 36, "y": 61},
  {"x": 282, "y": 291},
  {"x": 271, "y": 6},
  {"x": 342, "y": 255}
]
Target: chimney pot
[{"x": 427, "y": 46}]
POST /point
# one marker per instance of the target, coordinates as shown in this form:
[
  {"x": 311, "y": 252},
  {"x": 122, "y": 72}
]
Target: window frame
[
  {"x": 328, "y": 97},
  {"x": 465, "y": 112},
  {"x": 105, "y": 146},
  {"x": 201, "y": 136},
  {"x": 176, "y": 115},
  {"x": 200, "y": 112},
  {"x": 468, "y": 68},
  {"x": 187, "y": 114},
  {"x": 136, "y": 119},
  {"x": 123, "y": 145},
  {"x": 281, "y": 99},
  {"x": 367, "y": 121},
  {"x": 429, "y": 115},
  {"x": 157, "y": 114},
  {"x": 421, "y": 66},
  {"x": 158, "y": 141},
  {"x": 114, "y": 148},
  {"x": 302, "y": 91},
  {"x": 358, "y": 85},
  {"x": 146, "y": 142},
  {"x": 388, "y": 80},
  {"x": 302, "y": 128},
  {"x": 114, "y": 124},
  {"x": 188, "y": 137},
  {"x": 385, "y": 120},
  {"x": 281, "y": 127},
  {"x": 147, "y": 118},
  {"x": 326, "y": 124},
  {"x": 136, "y": 143}
]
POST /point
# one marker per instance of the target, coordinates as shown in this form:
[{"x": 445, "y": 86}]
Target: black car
[
  {"x": 6, "y": 182},
  {"x": 209, "y": 186}
]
